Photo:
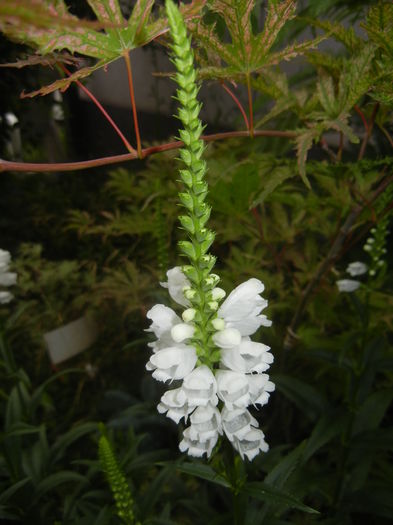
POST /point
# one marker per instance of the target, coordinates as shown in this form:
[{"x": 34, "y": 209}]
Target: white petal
[
  {"x": 176, "y": 282},
  {"x": 233, "y": 389},
  {"x": 172, "y": 363},
  {"x": 260, "y": 386},
  {"x": 5, "y": 297},
  {"x": 242, "y": 307},
  {"x": 200, "y": 387},
  {"x": 227, "y": 338},
  {"x": 8, "y": 279},
  {"x": 248, "y": 357},
  {"x": 5, "y": 257},
  {"x": 163, "y": 319},
  {"x": 174, "y": 404},
  {"x": 237, "y": 423},
  {"x": 205, "y": 423},
  {"x": 196, "y": 448},
  {"x": 347, "y": 285},
  {"x": 252, "y": 443}
]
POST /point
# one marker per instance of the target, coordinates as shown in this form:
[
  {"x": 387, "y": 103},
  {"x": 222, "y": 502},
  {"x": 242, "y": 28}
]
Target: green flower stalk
[
  {"x": 210, "y": 349},
  {"x": 204, "y": 302},
  {"x": 117, "y": 481}
]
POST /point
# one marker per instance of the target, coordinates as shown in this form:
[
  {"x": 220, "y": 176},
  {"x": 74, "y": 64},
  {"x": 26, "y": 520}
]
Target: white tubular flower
[
  {"x": 175, "y": 284},
  {"x": 175, "y": 362},
  {"x": 200, "y": 387},
  {"x": 260, "y": 388},
  {"x": 5, "y": 297},
  {"x": 247, "y": 357},
  {"x": 205, "y": 424},
  {"x": 7, "y": 278},
  {"x": 237, "y": 423},
  {"x": 227, "y": 338},
  {"x": 5, "y": 259},
  {"x": 347, "y": 285},
  {"x": 196, "y": 448},
  {"x": 242, "y": 308},
  {"x": 356, "y": 268},
  {"x": 252, "y": 443},
  {"x": 174, "y": 404},
  {"x": 163, "y": 320},
  {"x": 233, "y": 389},
  {"x": 182, "y": 331}
]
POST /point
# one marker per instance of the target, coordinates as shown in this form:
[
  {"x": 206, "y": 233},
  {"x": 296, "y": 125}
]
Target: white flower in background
[
  {"x": 347, "y": 285},
  {"x": 6, "y": 278},
  {"x": 238, "y": 382},
  {"x": 356, "y": 268}
]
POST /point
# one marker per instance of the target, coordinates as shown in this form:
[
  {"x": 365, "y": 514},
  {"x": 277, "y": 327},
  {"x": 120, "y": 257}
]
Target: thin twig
[
  {"x": 102, "y": 109},
  {"x": 328, "y": 261},
  {"x": 367, "y": 135},
  {"x": 133, "y": 105},
  {"x": 386, "y": 133},
  {"x": 250, "y": 108},
  {"x": 115, "y": 159},
  {"x": 238, "y": 103}
]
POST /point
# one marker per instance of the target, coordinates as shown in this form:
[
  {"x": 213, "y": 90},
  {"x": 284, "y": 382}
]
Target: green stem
[{"x": 133, "y": 104}]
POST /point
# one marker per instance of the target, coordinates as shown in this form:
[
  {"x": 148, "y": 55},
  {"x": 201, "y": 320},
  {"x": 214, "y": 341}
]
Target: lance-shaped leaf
[
  {"x": 46, "y": 60},
  {"x": 246, "y": 53}
]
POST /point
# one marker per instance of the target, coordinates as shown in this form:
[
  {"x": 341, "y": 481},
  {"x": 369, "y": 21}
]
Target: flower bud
[
  {"x": 218, "y": 323},
  {"x": 218, "y": 294},
  {"x": 213, "y": 305},
  {"x": 188, "y": 315},
  {"x": 182, "y": 331},
  {"x": 189, "y": 294}
]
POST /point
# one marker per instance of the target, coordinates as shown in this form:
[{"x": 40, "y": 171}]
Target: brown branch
[
  {"x": 238, "y": 103},
  {"x": 115, "y": 159},
  {"x": 133, "y": 104},
  {"x": 367, "y": 135},
  {"x": 328, "y": 261}
]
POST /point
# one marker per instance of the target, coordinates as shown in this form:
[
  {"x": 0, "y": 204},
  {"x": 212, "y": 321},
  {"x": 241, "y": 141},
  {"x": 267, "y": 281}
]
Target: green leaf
[
  {"x": 63, "y": 442},
  {"x": 307, "y": 398},
  {"x": 59, "y": 478},
  {"x": 373, "y": 410},
  {"x": 304, "y": 142},
  {"x": 247, "y": 53},
  {"x": 204, "y": 472},
  {"x": 7, "y": 494},
  {"x": 49, "y": 27},
  {"x": 279, "y": 475},
  {"x": 328, "y": 427},
  {"x": 275, "y": 177},
  {"x": 272, "y": 495}
]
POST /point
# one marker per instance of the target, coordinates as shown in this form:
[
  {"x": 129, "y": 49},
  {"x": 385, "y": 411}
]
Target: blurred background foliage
[{"x": 99, "y": 242}]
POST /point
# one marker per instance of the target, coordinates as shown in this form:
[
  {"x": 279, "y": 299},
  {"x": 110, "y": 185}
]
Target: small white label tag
[{"x": 70, "y": 339}]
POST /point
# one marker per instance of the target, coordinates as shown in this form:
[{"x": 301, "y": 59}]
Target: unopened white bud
[
  {"x": 367, "y": 247},
  {"x": 188, "y": 315},
  {"x": 213, "y": 305},
  {"x": 218, "y": 323},
  {"x": 181, "y": 332},
  {"x": 189, "y": 294},
  {"x": 381, "y": 263},
  {"x": 218, "y": 294}
]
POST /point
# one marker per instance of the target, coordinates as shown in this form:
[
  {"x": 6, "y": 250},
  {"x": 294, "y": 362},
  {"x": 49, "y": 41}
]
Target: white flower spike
[{"x": 208, "y": 349}]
